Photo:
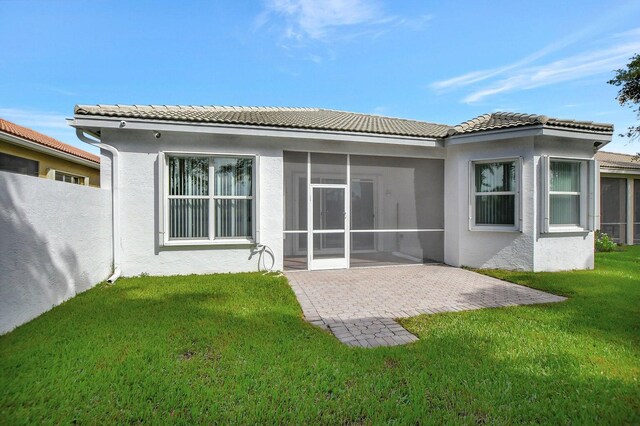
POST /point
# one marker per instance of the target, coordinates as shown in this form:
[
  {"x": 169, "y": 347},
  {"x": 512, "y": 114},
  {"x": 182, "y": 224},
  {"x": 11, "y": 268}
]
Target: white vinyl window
[
  {"x": 570, "y": 194},
  {"x": 566, "y": 193},
  {"x": 494, "y": 203},
  {"x": 67, "y": 177},
  {"x": 209, "y": 199}
]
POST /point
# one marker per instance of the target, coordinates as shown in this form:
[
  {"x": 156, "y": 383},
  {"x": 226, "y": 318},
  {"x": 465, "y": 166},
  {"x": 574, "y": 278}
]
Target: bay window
[
  {"x": 209, "y": 198},
  {"x": 494, "y": 198}
]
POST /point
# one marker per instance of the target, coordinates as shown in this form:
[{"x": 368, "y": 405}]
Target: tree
[{"x": 629, "y": 94}]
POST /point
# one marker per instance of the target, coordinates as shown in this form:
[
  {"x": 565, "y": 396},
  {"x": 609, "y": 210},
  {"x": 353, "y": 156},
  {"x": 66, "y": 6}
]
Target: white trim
[
  {"x": 517, "y": 194},
  {"x": 347, "y": 214},
  {"x": 163, "y": 192},
  {"x": 207, "y": 242},
  {"x": 630, "y": 211},
  {"x": 587, "y": 168},
  {"x": 25, "y": 143},
  {"x": 255, "y": 190},
  {"x": 166, "y": 240},
  {"x": 329, "y": 231},
  {"x": 51, "y": 174},
  {"x": 98, "y": 122},
  {"x": 356, "y": 231},
  {"x": 632, "y": 172},
  {"x": 524, "y": 131},
  {"x": 309, "y": 214},
  {"x": 593, "y": 195},
  {"x": 334, "y": 262}
]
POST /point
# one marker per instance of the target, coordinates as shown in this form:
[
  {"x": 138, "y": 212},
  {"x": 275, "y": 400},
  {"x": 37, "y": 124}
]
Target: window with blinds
[
  {"x": 210, "y": 198},
  {"x": 494, "y": 194},
  {"x": 565, "y": 192}
]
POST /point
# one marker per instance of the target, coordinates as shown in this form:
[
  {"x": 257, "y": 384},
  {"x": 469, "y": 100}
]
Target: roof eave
[
  {"x": 26, "y": 143},
  {"x": 95, "y": 123},
  {"x": 529, "y": 130}
]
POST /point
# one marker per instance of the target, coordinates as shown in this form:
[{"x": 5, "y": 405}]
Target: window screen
[
  {"x": 613, "y": 208},
  {"x": 11, "y": 163}
]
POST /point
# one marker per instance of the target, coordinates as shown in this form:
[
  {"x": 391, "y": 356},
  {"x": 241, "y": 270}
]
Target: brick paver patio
[{"x": 359, "y": 305}]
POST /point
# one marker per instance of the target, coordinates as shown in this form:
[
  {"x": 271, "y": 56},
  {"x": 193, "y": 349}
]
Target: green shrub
[{"x": 604, "y": 243}]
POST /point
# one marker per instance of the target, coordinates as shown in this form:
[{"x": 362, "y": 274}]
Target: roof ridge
[
  {"x": 502, "y": 120},
  {"x": 412, "y": 120},
  {"x": 197, "y": 107}
]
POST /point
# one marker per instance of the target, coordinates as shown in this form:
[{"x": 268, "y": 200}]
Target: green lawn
[{"x": 234, "y": 348}]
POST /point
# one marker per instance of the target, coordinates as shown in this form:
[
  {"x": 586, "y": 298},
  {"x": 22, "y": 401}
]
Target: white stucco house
[{"x": 227, "y": 189}]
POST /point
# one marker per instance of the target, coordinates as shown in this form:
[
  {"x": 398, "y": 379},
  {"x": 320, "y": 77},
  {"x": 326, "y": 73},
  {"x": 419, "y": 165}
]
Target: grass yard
[{"x": 234, "y": 348}]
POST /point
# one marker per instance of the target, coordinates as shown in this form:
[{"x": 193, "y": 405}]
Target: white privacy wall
[{"x": 55, "y": 242}]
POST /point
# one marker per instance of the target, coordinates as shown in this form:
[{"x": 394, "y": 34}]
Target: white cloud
[
  {"x": 478, "y": 76},
  {"x": 32, "y": 118},
  {"x": 314, "y": 19},
  {"x": 572, "y": 68},
  {"x": 50, "y": 123},
  {"x": 614, "y": 52}
]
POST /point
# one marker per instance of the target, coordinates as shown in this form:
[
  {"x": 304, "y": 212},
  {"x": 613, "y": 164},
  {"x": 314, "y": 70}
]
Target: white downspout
[{"x": 115, "y": 200}]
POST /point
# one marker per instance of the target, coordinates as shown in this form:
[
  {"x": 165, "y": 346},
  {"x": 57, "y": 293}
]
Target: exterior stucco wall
[
  {"x": 139, "y": 196},
  {"x": 46, "y": 162},
  {"x": 530, "y": 249},
  {"x": 140, "y": 203},
  {"x": 564, "y": 251},
  {"x": 55, "y": 240},
  {"x": 487, "y": 249}
]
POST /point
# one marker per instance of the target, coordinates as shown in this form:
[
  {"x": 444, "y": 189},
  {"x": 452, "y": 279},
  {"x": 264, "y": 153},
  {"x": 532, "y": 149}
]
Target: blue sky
[{"x": 443, "y": 62}]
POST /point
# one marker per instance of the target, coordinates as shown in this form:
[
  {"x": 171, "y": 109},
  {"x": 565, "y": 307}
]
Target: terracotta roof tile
[{"x": 41, "y": 139}]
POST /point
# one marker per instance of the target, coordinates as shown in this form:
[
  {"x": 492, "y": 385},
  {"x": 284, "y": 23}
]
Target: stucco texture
[
  {"x": 55, "y": 242},
  {"x": 46, "y": 162}
]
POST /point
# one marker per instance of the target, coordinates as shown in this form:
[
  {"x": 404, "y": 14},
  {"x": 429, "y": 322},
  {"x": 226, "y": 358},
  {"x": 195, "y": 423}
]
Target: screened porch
[{"x": 346, "y": 211}]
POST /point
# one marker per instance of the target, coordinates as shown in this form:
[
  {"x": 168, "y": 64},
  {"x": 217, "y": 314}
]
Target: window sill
[
  {"x": 219, "y": 242},
  {"x": 566, "y": 230},
  {"x": 490, "y": 228}
]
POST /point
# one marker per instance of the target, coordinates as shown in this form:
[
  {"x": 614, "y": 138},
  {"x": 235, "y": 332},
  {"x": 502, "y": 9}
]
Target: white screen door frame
[{"x": 328, "y": 222}]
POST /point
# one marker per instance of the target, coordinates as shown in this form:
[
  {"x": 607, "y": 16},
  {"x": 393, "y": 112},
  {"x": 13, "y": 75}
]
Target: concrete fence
[{"x": 55, "y": 242}]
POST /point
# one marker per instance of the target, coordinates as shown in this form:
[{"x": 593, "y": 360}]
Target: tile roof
[
  {"x": 330, "y": 120},
  {"x": 504, "y": 120},
  {"x": 295, "y": 118},
  {"x": 41, "y": 139},
  {"x": 615, "y": 160}
]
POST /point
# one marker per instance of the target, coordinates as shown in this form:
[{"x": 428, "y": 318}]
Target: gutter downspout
[{"x": 115, "y": 199}]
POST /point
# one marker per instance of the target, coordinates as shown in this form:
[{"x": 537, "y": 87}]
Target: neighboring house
[
  {"x": 25, "y": 151},
  {"x": 620, "y": 196},
  {"x": 226, "y": 189}
]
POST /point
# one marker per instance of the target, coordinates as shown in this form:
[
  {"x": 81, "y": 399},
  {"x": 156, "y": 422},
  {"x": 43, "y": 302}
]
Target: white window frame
[
  {"x": 517, "y": 193},
  {"x": 589, "y": 182},
  {"x": 211, "y": 240},
  {"x": 51, "y": 174}
]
